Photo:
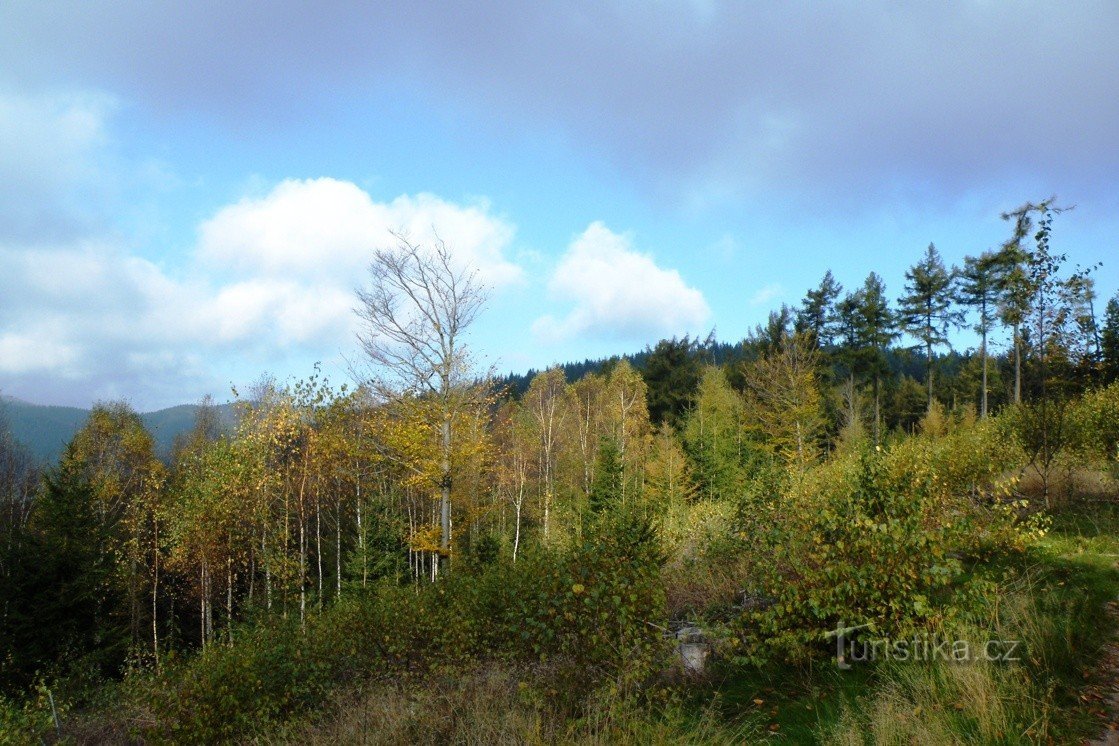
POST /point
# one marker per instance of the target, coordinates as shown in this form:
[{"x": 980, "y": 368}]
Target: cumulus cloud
[
  {"x": 618, "y": 292},
  {"x": 271, "y": 276},
  {"x": 328, "y": 228}
]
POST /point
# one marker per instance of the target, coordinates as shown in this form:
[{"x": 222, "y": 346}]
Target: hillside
[{"x": 45, "y": 430}]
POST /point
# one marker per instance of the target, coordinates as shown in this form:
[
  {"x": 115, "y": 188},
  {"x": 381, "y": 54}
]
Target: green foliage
[
  {"x": 586, "y": 608},
  {"x": 1045, "y": 431},
  {"x": 876, "y": 551},
  {"x": 925, "y": 311},
  {"x": 597, "y": 605},
  {"x": 1055, "y": 606},
  {"x": 1109, "y": 341},
  {"x": 817, "y": 312},
  {"x": 715, "y": 439},
  {"x": 671, "y": 373},
  {"x": 1096, "y": 423},
  {"x": 879, "y": 539},
  {"x": 606, "y": 485},
  {"x": 64, "y": 606}
]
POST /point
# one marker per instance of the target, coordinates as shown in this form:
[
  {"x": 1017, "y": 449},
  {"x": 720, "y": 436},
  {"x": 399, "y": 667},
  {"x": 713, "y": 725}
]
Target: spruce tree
[
  {"x": 671, "y": 374},
  {"x": 606, "y": 485},
  {"x": 925, "y": 311}
]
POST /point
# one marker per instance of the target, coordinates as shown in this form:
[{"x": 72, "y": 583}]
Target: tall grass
[
  {"x": 497, "y": 706},
  {"x": 1055, "y": 608}
]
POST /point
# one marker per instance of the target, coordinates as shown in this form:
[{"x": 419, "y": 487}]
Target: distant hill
[{"x": 45, "y": 430}]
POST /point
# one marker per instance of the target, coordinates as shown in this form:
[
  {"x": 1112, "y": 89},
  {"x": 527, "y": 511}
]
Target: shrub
[
  {"x": 880, "y": 540},
  {"x": 1097, "y": 424},
  {"x": 876, "y": 551},
  {"x": 597, "y": 605}
]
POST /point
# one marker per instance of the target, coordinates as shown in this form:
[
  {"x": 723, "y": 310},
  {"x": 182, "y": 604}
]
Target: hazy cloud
[
  {"x": 50, "y": 146},
  {"x": 838, "y": 101},
  {"x": 766, "y": 294}
]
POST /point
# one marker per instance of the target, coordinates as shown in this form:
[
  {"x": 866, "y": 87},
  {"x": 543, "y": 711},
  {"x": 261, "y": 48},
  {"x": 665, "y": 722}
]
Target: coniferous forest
[{"x": 431, "y": 554}]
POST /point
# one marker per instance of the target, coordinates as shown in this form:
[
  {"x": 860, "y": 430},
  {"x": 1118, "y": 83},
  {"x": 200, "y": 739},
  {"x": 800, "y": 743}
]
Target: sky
[{"x": 191, "y": 193}]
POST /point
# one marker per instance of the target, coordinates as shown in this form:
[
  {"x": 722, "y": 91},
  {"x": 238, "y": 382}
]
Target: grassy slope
[{"x": 1053, "y": 597}]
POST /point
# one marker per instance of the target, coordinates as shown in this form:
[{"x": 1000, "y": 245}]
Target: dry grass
[
  {"x": 1071, "y": 478},
  {"x": 948, "y": 703},
  {"x": 495, "y": 706}
]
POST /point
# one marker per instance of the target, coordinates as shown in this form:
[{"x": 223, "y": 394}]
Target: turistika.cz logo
[{"x": 851, "y": 648}]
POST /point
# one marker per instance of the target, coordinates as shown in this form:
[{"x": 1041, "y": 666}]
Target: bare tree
[{"x": 416, "y": 310}]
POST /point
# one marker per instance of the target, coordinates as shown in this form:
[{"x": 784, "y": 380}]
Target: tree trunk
[
  {"x": 267, "y": 567},
  {"x": 517, "y": 531},
  {"x": 202, "y": 607},
  {"x": 547, "y": 510},
  {"x": 338, "y": 550},
  {"x": 229, "y": 598},
  {"x": 445, "y": 494},
  {"x": 929, "y": 369},
  {"x": 302, "y": 556},
  {"x": 1017, "y": 365},
  {"x": 877, "y": 412},
  {"x": 983, "y": 396},
  {"x": 155, "y": 592},
  {"x": 318, "y": 542}
]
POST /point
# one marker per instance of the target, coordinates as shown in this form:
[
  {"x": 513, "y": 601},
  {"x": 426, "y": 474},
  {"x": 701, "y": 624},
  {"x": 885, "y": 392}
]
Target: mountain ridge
[{"x": 45, "y": 429}]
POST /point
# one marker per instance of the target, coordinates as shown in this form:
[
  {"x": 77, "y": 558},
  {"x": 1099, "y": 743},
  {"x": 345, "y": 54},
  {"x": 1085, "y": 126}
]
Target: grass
[
  {"x": 1054, "y": 601},
  {"x": 497, "y": 705}
]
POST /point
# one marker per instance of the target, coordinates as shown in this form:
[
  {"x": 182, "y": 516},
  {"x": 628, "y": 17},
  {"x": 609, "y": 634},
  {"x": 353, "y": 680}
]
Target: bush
[
  {"x": 875, "y": 551},
  {"x": 1097, "y": 424},
  {"x": 585, "y": 611},
  {"x": 879, "y": 540},
  {"x": 598, "y": 605}
]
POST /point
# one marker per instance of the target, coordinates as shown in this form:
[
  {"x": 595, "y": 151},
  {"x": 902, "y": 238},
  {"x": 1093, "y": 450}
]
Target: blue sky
[{"x": 189, "y": 193}]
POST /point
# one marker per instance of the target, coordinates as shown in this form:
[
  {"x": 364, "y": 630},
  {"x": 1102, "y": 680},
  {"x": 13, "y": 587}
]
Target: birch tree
[
  {"x": 547, "y": 402},
  {"x": 416, "y": 310}
]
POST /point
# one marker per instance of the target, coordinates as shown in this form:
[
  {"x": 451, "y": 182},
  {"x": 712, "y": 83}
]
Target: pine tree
[
  {"x": 66, "y": 598},
  {"x": 1109, "y": 341},
  {"x": 783, "y": 400},
  {"x": 713, "y": 436},
  {"x": 671, "y": 373},
  {"x": 925, "y": 311},
  {"x": 980, "y": 287},
  {"x": 1084, "y": 342},
  {"x": 817, "y": 313},
  {"x": 847, "y": 329},
  {"x": 876, "y": 329}
]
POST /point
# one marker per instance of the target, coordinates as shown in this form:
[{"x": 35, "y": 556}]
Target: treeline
[{"x": 117, "y": 558}]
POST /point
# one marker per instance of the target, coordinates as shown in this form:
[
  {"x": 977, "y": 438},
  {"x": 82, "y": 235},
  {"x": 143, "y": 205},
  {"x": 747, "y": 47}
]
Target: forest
[{"x": 429, "y": 553}]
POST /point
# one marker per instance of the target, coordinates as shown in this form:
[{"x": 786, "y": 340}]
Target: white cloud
[
  {"x": 766, "y": 294},
  {"x": 328, "y": 228},
  {"x": 24, "y": 353},
  {"x": 270, "y": 277},
  {"x": 619, "y": 292}
]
